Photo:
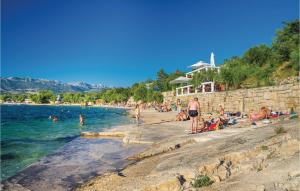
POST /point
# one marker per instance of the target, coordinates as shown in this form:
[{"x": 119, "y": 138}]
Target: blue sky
[{"x": 119, "y": 42}]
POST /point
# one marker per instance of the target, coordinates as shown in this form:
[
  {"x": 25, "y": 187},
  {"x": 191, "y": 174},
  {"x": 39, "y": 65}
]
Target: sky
[{"x": 120, "y": 42}]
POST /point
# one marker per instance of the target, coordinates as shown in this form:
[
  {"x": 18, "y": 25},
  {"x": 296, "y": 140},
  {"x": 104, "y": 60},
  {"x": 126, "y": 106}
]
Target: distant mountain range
[{"x": 27, "y": 84}]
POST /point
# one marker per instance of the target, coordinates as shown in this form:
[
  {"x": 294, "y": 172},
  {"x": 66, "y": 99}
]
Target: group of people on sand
[
  {"x": 162, "y": 108},
  {"x": 197, "y": 121},
  {"x": 54, "y": 118},
  {"x": 210, "y": 121}
]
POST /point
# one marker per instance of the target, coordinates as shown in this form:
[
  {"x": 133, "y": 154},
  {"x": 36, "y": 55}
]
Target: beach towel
[{"x": 212, "y": 127}]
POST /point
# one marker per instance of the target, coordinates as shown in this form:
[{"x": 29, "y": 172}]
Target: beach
[
  {"x": 239, "y": 157},
  {"x": 160, "y": 154}
]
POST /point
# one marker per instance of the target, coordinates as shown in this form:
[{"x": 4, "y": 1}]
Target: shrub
[
  {"x": 201, "y": 180},
  {"x": 279, "y": 130},
  {"x": 260, "y": 168},
  {"x": 264, "y": 147}
]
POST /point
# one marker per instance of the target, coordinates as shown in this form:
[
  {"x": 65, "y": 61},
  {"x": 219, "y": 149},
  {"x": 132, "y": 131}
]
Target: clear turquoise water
[{"x": 27, "y": 134}]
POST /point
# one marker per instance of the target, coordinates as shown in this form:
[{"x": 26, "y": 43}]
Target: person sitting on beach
[
  {"x": 137, "y": 113},
  {"x": 201, "y": 124},
  {"x": 81, "y": 119},
  {"x": 264, "y": 113},
  {"x": 182, "y": 116},
  {"x": 179, "y": 116},
  {"x": 193, "y": 110}
]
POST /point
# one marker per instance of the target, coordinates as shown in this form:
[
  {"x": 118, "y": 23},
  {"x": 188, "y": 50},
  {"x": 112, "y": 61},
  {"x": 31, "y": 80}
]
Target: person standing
[
  {"x": 222, "y": 111},
  {"x": 137, "y": 113},
  {"x": 178, "y": 105},
  {"x": 193, "y": 110},
  {"x": 81, "y": 119}
]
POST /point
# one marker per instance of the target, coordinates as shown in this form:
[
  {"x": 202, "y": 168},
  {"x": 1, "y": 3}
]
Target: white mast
[{"x": 212, "y": 60}]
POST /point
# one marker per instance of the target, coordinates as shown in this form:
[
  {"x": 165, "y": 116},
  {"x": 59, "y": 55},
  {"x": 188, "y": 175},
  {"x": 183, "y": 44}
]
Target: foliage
[
  {"x": 258, "y": 55},
  {"x": 287, "y": 40},
  {"x": 140, "y": 93},
  {"x": 163, "y": 79},
  {"x": 204, "y": 76},
  {"x": 279, "y": 130},
  {"x": 202, "y": 180},
  {"x": 72, "y": 97},
  {"x": 44, "y": 96},
  {"x": 13, "y": 97},
  {"x": 264, "y": 147},
  {"x": 260, "y": 65}
]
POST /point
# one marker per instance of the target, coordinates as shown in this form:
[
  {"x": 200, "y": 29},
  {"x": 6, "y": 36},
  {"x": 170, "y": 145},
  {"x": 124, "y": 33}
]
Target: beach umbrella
[
  {"x": 199, "y": 64},
  {"x": 180, "y": 80}
]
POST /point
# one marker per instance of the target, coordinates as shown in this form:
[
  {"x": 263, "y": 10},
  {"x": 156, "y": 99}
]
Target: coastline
[
  {"x": 174, "y": 158},
  {"x": 168, "y": 152},
  {"x": 78, "y": 148},
  {"x": 75, "y": 104}
]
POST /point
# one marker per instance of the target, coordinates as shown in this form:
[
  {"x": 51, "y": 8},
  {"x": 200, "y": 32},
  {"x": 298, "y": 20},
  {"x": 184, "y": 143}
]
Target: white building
[{"x": 205, "y": 87}]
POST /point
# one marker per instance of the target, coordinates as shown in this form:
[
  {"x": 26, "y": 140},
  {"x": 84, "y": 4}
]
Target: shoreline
[
  {"x": 163, "y": 139},
  {"x": 56, "y": 152},
  {"x": 47, "y": 104},
  {"x": 181, "y": 155}
]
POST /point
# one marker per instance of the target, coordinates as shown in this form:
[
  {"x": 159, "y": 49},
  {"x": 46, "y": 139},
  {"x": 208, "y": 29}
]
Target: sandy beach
[{"x": 239, "y": 157}]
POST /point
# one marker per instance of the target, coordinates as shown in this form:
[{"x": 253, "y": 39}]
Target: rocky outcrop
[{"x": 243, "y": 159}]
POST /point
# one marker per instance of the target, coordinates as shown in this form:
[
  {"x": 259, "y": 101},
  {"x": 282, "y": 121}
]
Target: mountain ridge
[{"x": 28, "y": 84}]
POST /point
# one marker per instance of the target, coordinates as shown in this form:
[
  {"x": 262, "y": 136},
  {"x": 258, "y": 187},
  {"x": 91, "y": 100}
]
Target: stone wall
[{"x": 278, "y": 98}]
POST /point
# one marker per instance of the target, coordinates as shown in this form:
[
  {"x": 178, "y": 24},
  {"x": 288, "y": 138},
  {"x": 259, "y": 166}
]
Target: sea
[{"x": 27, "y": 133}]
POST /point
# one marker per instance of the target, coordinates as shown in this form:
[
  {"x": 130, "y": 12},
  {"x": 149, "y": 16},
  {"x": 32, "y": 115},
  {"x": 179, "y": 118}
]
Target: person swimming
[{"x": 54, "y": 118}]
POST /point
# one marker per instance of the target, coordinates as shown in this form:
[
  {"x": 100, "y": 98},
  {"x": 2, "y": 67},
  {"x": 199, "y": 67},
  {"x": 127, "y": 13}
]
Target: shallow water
[
  {"x": 75, "y": 163},
  {"x": 27, "y": 134}
]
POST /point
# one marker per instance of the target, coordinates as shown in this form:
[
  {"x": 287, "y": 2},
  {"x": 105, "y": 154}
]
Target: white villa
[{"x": 205, "y": 87}]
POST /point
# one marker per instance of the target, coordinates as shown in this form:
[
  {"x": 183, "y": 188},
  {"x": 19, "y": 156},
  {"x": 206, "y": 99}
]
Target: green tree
[
  {"x": 286, "y": 40},
  {"x": 18, "y": 97},
  {"x": 162, "y": 80},
  {"x": 45, "y": 96},
  {"x": 140, "y": 93},
  {"x": 294, "y": 61},
  {"x": 234, "y": 72},
  {"x": 258, "y": 55},
  {"x": 6, "y": 97}
]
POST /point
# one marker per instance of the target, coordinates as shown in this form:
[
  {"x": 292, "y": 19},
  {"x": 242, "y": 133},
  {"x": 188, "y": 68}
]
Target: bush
[
  {"x": 264, "y": 147},
  {"x": 202, "y": 180},
  {"x": 279, "y": 130}
]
